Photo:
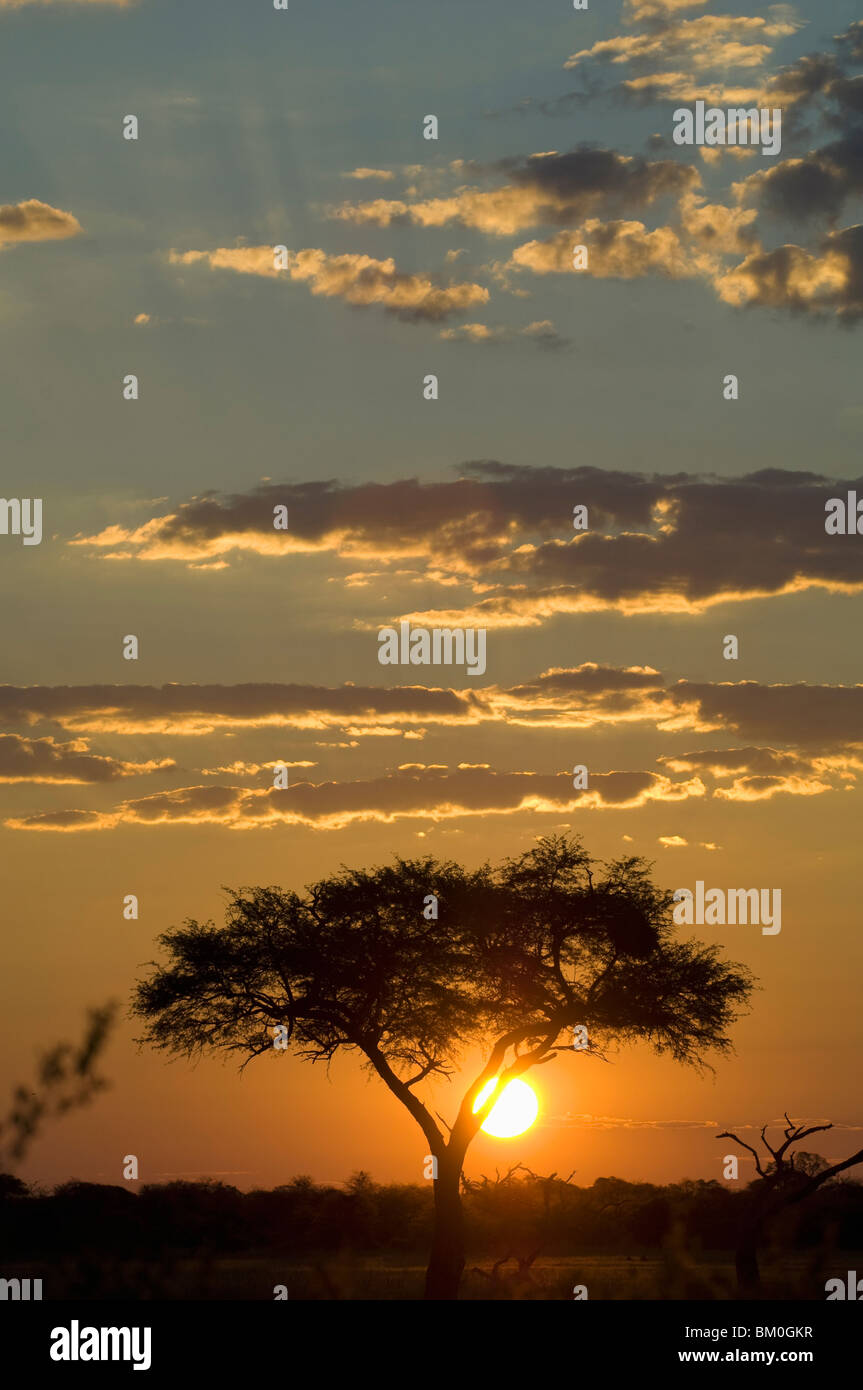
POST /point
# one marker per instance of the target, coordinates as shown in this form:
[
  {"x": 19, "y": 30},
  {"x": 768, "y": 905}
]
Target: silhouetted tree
[
  {"x": 787, "y": 1179},
  {"x": 66, "y": 1078},
  {"x": 10, "y": 1186},
  {"x": 516, "y": 958}
]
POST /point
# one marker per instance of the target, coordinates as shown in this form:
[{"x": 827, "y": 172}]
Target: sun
[{"x": 513, "y": 1112}]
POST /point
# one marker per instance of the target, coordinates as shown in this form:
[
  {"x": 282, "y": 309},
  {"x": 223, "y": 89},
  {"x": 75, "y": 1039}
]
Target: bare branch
[{"x": 727, "y": 1135}]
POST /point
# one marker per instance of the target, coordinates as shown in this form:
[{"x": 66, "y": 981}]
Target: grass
[{"x": 670, "y": 1275}]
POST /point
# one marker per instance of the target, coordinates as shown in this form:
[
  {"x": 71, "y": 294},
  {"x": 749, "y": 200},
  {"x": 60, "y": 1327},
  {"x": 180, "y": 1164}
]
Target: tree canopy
[{"x": 518, "y": 954}]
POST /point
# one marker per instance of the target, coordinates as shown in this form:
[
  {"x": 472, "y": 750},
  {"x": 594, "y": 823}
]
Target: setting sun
[{"x": 514, "y": 1111}]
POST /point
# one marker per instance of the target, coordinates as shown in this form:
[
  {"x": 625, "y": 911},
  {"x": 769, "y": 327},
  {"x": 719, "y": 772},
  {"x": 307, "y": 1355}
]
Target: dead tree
[
  {"x": 526, "y": 1247},
  {"x": 782, "y": 1185}
]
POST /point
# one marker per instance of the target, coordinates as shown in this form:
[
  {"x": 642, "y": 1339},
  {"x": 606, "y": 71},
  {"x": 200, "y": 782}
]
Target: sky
[{"x": 303, "y": 385}]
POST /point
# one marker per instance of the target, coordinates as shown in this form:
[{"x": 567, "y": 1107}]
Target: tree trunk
[
  {"x": 446, "y": 1263},
  {"x": 746, "y": 1258},
  {"x": 746, "y": 1266}
]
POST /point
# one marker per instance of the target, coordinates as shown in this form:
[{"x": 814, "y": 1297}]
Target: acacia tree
[{"x": 517, "y": 957}]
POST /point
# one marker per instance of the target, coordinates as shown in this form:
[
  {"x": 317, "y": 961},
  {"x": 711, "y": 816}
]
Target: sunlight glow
[{"x": 514, "y": 1111}]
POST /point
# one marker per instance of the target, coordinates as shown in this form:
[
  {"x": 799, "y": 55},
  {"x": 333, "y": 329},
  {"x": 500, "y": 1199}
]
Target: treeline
[{"x": 521, "y": 1214}]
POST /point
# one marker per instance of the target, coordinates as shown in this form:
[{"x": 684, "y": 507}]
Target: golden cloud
[
  {"x": 357, "y": 279},
  {"x": 34, "y": 221}
]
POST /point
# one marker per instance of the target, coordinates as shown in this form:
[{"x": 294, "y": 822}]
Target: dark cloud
[
  {"x": 668, "y": 543},
  {"x": 816, "y": 185},
  {"x": 850, "y": 43},
  {"x": 847, "y": 93},
  {"x": 819, "y": 716},
  {"x": 580, "y": 179},
  {"x": 198, "y": 709},
  {"x": 824, "y": 283},
  {"x": 60, "y": 820},
  {"x": 43, "y": 760},
  {"x": 587, "y": 679},
  {"x": 412, "y": 792},
  {"x": 800, "y": 82},
  {"x": 722, "y": 762}
]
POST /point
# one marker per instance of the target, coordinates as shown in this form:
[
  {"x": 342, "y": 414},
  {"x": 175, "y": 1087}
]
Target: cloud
[
  {"x": 821, "y": 726},
  {"x": 548, "y": 188},
  {"x": 626, "y": 250},
  {"x": 202, "y": 709},
  {"x": 673, "y": 55},
  {"x": 635, "y": 11},
  {"x": 677, "y": 560},
  {"x": 245, "y": 260},
  {"x": 680, "y": 57},
  {"x": 415, "y": 791},
  {"x": 828, "y": 282},
  {"x": 823, "y": 717},
  {"x": 756, "y": 774},
  {"x": 238, "y": 768},
  {"x": 42, "y": 760},
  {"x": 654, "y": 544},
  {"x": 825, "y": 282},
  {"x": 585, "y": 1121},
  {"x": 575, "y": 697},
  {"x": 685, "y": 88},
  {"x": 820, "y": 723},
  {"x": 763, "y": 788},
  {"x": 724, "y": 762},
  {"x": 359, "y": 280},
  {"x": 620, "y": 250},
  {"x": 599, "y": 197},
  {"x": 542, "y": 332},
  {"x": 717, "y": 229},
  {"x": 579, "y": 697},
  {"x": 34, "y": 221},
  {"x": 383, "y": 174},
  {"x": 707, "y": 42},
  {"x": 477, "y": 333},
  {"x": 816, "y": 185}
]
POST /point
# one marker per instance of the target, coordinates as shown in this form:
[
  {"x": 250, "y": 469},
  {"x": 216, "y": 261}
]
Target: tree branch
[
  {"x": 727, "y": 1135},
  {"x": 402, "y": 1092}
]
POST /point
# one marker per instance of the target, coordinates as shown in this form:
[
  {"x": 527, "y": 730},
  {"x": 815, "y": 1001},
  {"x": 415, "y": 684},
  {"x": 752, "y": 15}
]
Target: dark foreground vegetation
[{"x": 528, "y": 1236}]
